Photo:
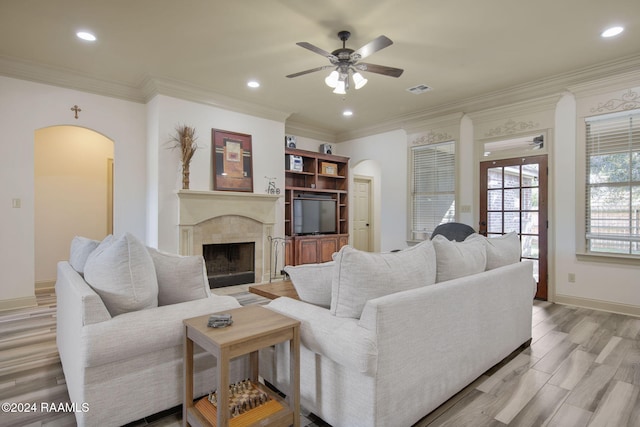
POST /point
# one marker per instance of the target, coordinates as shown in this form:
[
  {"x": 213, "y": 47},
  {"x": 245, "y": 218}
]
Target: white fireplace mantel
[{"x": 197, "y": 206}]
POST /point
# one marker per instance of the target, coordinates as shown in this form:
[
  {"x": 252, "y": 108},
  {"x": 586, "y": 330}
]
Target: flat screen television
[{"x": 314, "y": 216}]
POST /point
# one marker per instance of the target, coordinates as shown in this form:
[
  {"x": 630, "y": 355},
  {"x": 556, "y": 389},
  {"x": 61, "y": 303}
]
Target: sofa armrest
[
  {"x": 342, "y": 340},
  {"x": 145, "y": 331},
  {"x": 77, "y": 302}
]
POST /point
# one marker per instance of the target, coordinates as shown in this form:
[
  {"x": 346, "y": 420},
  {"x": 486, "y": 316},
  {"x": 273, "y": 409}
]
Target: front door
[{"x": 513, "y": 197}]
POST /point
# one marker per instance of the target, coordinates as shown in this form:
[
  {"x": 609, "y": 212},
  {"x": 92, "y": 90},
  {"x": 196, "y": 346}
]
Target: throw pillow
[
  {"x": 121, "y": 271},
  {"x": 180, "y": 278},
  {"x": 458, "y": 259},
  {"x": 502, "y": 250},
  {"x": 360, "y": 276},
  {"x": 81, "y": 248},
  {"x": 312, "y": 282}
]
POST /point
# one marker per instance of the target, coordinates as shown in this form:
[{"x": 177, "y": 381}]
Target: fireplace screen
[{"x": 229, "y": 264}]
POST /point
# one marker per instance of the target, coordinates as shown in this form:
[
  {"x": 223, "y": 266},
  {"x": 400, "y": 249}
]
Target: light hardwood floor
[{"x": 582, "y": 369}]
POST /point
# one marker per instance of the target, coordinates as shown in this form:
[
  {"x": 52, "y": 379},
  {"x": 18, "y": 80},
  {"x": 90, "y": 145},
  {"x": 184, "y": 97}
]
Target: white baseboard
[
  {"x": 45, "y": 284},
  {"x": 12, "y": 304},
  {"x": 613, "y": 307}
]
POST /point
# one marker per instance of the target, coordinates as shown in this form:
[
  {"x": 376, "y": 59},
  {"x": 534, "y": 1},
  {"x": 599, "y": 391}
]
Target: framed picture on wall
[{"x": 232, "y": 161}]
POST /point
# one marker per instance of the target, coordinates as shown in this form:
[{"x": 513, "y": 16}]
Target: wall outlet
[
  {"x": 16, "y": 203},
  {"x": 571, "y": 277}
]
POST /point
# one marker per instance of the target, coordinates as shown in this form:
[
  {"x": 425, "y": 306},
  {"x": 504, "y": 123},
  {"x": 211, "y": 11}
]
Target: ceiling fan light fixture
[
  {"x": 340, "y": 88},
  {"x": 359, "y": 81},
  {"x": 332, "y": 79}
]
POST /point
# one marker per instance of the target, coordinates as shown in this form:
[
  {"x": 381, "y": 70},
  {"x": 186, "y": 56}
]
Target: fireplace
[
  {"x": 228, "y": 217},
  {"x": 229, "y": 264}
]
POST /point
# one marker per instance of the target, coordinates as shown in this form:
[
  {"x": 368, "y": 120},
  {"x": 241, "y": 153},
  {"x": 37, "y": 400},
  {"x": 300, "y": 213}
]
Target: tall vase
[{"x": 185, "y": 176}]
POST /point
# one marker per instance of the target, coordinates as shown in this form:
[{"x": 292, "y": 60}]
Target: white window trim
[{"x": 582, "y": 252}]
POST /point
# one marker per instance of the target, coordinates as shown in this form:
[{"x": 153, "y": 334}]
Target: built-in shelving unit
[{"x": 321, "y": 175}]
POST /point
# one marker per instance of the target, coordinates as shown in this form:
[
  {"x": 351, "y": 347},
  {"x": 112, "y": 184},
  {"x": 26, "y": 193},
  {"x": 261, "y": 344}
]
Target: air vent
[{"x": 419, "y": 89}]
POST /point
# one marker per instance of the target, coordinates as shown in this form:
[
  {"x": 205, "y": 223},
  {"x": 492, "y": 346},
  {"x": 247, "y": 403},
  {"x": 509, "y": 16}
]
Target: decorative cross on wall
[{"x": 76, "y": 110}]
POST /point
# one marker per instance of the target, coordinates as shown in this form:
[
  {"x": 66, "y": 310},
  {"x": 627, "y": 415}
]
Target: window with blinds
[
  {"x": 612, "y": 179},
  {"x": 433, "y": 187}
]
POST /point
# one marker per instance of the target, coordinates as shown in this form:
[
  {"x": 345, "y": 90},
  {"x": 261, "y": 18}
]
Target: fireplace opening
[{"x": 230, "y": 264}]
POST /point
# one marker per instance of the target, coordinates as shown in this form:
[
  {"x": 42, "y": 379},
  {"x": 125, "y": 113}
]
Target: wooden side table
[
  {"x": 275, "y": 290},
  {"x": 254, "y": 327}
]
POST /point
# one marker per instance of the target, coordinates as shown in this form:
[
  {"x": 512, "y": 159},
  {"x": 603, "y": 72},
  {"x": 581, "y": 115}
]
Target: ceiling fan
[{"x": 346, "y": 63}]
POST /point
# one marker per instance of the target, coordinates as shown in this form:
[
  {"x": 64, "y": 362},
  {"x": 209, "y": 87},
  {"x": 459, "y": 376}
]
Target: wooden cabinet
[{"x": 321, "y": 177}]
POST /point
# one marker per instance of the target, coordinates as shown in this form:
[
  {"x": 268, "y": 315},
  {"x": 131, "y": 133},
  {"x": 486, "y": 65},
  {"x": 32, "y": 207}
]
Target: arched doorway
[{"x": 73, "y": 193}]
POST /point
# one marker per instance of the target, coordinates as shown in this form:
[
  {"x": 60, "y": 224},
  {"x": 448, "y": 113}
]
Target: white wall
[
  {"x": 267, "y": 139},
  {"x": 389, "y": 150},
  {"x": 26, "y": 107},
  {"x": 603, "y": 284}
]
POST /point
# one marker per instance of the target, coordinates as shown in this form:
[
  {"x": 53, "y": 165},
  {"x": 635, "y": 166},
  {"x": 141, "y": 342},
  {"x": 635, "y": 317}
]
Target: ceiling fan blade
[
  {"x": 312, "y": 70},
  {"x": 379, "y": 69},
  {"x": 317, "y": 50},
  {"x": 373, "y": 46}
]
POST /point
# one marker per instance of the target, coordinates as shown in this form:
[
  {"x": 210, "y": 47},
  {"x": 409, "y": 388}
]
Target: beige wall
[{"x": 70, "y": 166}]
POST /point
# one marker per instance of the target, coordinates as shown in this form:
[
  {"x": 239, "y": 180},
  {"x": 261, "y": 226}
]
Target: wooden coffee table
[
  {"x": 275, "y": 290},
  {"x": 254, "y": 327}
]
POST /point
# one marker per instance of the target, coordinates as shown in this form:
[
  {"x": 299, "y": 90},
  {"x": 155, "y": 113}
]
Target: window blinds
[
  {"x": 433, "y": 187},
  {"x": 612, "y": 192}
]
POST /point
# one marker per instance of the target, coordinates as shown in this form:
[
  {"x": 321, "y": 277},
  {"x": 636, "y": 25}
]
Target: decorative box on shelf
[{"x": 328, "y": 168}]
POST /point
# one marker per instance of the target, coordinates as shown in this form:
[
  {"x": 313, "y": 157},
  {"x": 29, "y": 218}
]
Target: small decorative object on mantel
[
  {"x": 271, "y": 186},
  {"x": 185, "y": 139}
]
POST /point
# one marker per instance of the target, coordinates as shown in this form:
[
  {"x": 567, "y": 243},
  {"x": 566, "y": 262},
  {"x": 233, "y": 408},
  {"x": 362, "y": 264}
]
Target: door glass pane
[
  {"x": 494, "y": 222},
  {"x": 512, "y": 177},
  {"x": 494, "y": 178},
  {"x": 530, "y": 174},
  {"x": 494, "y": 200},
  {"x": 530, "y": 223},
  {"x": 530, "y": 248},
  {"x": 530, "y": 199},
  {"x": 511, "y": 222},
  {"x": 512, "y": 200}
]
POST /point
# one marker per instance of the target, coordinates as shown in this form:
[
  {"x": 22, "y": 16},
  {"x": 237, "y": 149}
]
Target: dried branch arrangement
[{"x": 185, "y": 140}]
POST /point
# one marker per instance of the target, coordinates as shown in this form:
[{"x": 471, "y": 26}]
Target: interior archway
[{"x": 73, "y": 168}]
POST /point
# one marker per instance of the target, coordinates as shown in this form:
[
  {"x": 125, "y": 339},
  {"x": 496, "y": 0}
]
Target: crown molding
[
  {"x": 152, "y": 86},
  {"x": 293, "y": 127},
  {"x": 419, "y": 124},
  {"x": 592, "y": 78},
  {"x": 141, "y": 93},
  {"x": 63, "y": 77},
  {"x": 529, "y": 106}
]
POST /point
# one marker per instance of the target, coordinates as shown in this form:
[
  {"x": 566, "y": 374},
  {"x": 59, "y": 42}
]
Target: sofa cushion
[
  {"x": 180, "y": 278},
  {"x": 312, "y": 282},
  {"x": 121, "y": 271},
  {"x": 360, "y": 276},
  {"x": 458, "y": 259},
  {"x": 81, "y": 248},
  {"x": 502, "y": 250}
]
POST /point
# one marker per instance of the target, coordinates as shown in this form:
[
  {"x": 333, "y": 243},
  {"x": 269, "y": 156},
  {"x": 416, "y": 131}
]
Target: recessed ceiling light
[
  {"x": 612, "y": 32},
  {"x": 84, "y": 35},
  {"x": 347, "y": 113},
  {"x": 253, "y": 84}
]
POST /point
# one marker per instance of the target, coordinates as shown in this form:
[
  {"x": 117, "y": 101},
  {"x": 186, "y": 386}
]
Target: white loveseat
[
  {"x": 388, "y": 356},
  {"x": 122, "y": 366}
]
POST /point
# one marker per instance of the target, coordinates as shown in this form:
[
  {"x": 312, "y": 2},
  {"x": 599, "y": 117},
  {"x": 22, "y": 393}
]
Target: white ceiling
[{"x": 463, "y": 49}]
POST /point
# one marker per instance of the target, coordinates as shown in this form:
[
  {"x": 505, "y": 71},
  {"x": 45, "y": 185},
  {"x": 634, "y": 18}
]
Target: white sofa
[
  {"x": 122, "y": 367},
  {"x": 408, "y": 350}
]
